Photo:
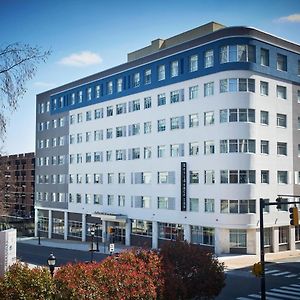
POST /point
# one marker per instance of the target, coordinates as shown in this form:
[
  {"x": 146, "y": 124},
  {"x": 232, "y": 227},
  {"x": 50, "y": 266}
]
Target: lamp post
[
  {"x": 51, "y": 263},
  {"x": 92, "y": 231},
  {"x": 97, "y": 237}
]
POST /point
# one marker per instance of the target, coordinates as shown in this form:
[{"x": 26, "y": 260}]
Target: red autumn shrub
[
  {"x": 21, "y": 282},
  {"x": 190, "y": 273}
]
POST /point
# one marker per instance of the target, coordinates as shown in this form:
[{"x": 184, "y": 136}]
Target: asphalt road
[
  {"x": 282, "y": 280},
  {"x": 38, "y": 254}
]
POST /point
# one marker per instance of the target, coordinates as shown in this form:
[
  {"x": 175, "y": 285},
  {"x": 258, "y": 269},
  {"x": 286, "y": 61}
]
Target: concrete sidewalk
[
  {"x": 241, "y": 261},
  {"x": 231, "y": 261},
  {"x": 73, "y": 245}
]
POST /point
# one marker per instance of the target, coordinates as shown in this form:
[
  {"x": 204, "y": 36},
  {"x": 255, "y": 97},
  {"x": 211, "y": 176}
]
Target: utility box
[{"x": 8, "y": 249}]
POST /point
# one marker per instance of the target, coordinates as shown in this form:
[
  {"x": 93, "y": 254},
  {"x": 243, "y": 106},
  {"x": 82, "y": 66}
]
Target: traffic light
[
  {"x": 294, "y": 216},
  {"x": 278, "y": 200},
  {"x": 257, "y": 269}
]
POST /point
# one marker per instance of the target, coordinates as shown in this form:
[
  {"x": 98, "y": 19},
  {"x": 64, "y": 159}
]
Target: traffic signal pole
[
  {"x": 262, "y": 249},
  {"x": 262, "y": 205}
]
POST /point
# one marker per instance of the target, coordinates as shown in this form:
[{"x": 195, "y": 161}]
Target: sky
[{"x": 88, "y": 36}]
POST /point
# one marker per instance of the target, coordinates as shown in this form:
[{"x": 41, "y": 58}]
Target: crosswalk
[
  {"x": 291, "y": 292},
  {"x": 276, "y": 273}
]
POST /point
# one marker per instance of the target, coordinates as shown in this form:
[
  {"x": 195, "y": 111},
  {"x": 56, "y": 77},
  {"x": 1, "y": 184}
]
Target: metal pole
[
  {"x": 262, "y": 249},
  {"x": 97, "y": 238},
  {"x": 39, "y": 233},
  {"x": 92, "y": 249}
]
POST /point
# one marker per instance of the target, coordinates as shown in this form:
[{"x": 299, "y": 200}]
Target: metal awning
[{"x": 110, "y": 217}]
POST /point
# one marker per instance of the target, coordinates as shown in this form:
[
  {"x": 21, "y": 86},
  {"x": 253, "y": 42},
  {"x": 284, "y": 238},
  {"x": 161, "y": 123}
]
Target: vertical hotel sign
[{"x": 183, "y": 186}]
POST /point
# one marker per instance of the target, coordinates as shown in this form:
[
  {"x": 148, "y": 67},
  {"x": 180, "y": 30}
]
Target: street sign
[{"x": 111, "y": 248}]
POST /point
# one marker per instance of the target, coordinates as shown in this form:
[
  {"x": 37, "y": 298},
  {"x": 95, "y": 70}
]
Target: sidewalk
[
  {"x": 231, "y": 261},
  {"x": 242, "y": 261},
  {"x": 72, "y": 245}
]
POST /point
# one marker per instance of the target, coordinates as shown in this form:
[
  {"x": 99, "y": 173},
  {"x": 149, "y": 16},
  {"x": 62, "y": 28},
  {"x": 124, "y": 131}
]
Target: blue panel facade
[{"x": 184, "y": 73}]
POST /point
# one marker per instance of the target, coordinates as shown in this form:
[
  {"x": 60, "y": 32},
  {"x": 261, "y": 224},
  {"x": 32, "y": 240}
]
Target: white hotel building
[{"x": 180, "y": 141}]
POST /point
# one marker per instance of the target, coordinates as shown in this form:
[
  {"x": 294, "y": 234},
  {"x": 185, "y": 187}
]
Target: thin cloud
[
  {"x": 295, "y": 18},
  {"x": 82, "y": 59}
]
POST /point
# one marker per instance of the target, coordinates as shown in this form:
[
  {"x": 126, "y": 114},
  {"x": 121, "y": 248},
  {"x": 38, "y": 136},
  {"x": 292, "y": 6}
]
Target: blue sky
[{"x": 87, "y": 36}]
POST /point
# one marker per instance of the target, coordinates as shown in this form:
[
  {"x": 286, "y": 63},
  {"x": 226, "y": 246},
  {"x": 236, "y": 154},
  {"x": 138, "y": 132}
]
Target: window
[
  {"x": 109, "y": 111},
  {"x": 209, "y": 118},
  {"x": 209, "y": 147},
  {"x": 194, "y": 63},
  {"x": 209, "y": 176},
  {"x": 237, "y": 84},
  {"x": 98, "y": 91},
  {"x": 281, "y": 62},
  {"x": 264, "y": 88},
  {"x": 202, "y": 235},
  {"x": 88, "y": 136},
  {"x": 166, "y": 203},
  {"x": 121, "y": 154},
  {"x": 176, "y": 150},
  {"x": 79, "y": 138},
  {"x": 98, "y": 178},
  {"x": 88, "y": 157},
  {"x": 89, "y": 93},
  {"x": 79, "y": 118},
  {"x": 110, "y": 200},
  {"x": 208, "y": 89},
  {"x": 134, "y": 153},
  {"x": 141, "y": 202},
  {"x": 98, "y": 135},
  {"x": 134, "y": 105},
  {"x": 166, "y": 177},
  {"x": 121, "y": 108},
  {"x": 298, "y": 96},
  {"x": 136, "y": 80},
  {"x": 147, "y": 127},
  {"x": 282, "y": 177},
  {"x": 237, "y": 53},
  {"x": 108, "y": 155},
  {"x": 134, "y": 129},
  {"x": 88, "y": 178},
  {"x": 79, "y": 158},
  {"x": 174, "y": 68},
  {"x": 264, "y": 57},
  {"x": 281, "y": 92},
  {"x": 109, "y": 87},
  {"x": 281, "y": 148},
  {"x": 147, "y": 152},
  {"x": 161, "y": 72},
  {"x": 161, "y": 151},
  {"x": 264, "y": 176},
  {"x": 177, "y": 96},
  {"x": 121, "y": 178},
  {"x": 281, "y": 120},
  {"x": 283, "y": 234},
  {"x": 148, "y": 76},
  {"x": 97, "y": 156},
  {"x": 161, "y": 99},
  {"x": 79, "y": 178},
  {"x": 147, "y": 102},
  {"x": 110, "y": 178},
  {"x": 80, "y": 96},
  {"x": 298, "y": 71},
  {"x": 193, "y": 120},
  {"x": 194, "y": 177},
  {"x": 109, "y": 133},
  {"x": 161, "y": 125},
  {"x": 119, "y": 85},
  {"x": 193, "y": 92},
  {"x": 120, "y": 131},
  {"x": 140, "y": 227},
  {"x": 194, "y": 204},
  {"x": 98, "y": 199},
  {"x": 264, "y": 117},
  {"x": 238, "y": 238},
  {"x": 177, "y": 123},
  {"x": 264, "y": 147},
  {"x": 209, "y": 205},
  {"x": 121, "y": 200},
  {"x": 98, "y": 113},
  {"x": 208, "y": 58}
]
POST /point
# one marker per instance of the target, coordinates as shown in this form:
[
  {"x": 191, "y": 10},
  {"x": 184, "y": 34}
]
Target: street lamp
[
  {"x": 92, "y": 231},
  {"x": 51, "y": 263}
]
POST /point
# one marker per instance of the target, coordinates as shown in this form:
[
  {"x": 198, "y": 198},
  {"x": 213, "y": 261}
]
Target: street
[
  {"x": 38, "y": 254},
  {"x": 282, "y": 282}
]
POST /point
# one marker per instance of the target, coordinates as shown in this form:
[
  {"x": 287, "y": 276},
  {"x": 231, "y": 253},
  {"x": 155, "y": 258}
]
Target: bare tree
[{"x": 18, "y": 64}]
